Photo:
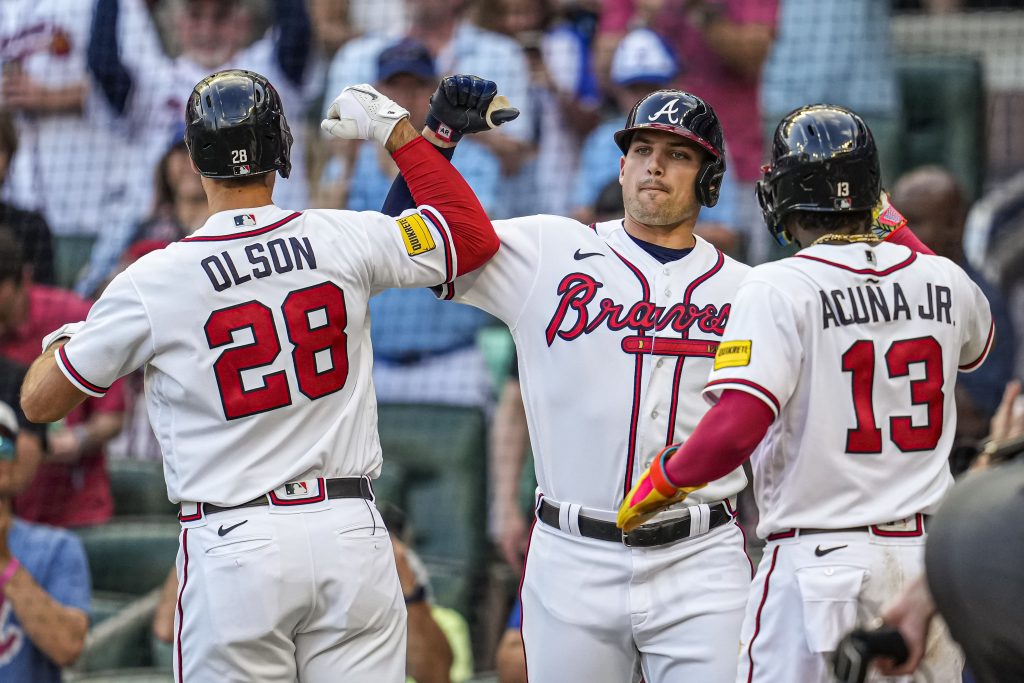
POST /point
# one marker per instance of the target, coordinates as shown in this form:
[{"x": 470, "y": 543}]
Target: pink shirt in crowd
[{"x": 707, "y": 75}]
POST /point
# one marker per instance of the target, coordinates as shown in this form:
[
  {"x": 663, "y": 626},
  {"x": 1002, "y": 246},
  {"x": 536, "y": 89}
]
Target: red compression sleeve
[
  {"x": 433, "y": 180},
  {"x": 907, "y": 238},
  {"x": 722, "y": 441}
]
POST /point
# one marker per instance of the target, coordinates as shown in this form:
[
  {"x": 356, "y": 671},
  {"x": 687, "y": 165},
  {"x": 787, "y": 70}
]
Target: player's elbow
[{"x": 38, "y": 409}]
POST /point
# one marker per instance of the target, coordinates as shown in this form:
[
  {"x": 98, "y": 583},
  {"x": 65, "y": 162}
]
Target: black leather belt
[
  {"x": 647, "y": 536},
  {"x": 346, "y": 487}
]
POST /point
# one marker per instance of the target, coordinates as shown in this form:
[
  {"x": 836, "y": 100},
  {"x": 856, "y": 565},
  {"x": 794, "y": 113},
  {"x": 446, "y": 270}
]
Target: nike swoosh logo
[
  {"x": 579, "y": 256},
  {"x": 224, "y": 532},
  {"x": 821, "y": 553},
  {"x": 372, "y": 96}
]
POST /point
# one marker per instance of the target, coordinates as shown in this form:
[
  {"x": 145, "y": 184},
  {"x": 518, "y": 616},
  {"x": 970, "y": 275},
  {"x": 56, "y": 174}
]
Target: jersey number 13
[
  {"x": 315, "y": 320},
  {"x": 859, "y": 361}
]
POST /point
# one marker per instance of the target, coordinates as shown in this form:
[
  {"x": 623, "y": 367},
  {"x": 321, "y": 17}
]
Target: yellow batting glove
[{"x": 652, "y": 493}]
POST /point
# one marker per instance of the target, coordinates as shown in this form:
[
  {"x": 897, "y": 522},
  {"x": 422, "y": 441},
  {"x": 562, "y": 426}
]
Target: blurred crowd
[{"x": 94, "y": 174}]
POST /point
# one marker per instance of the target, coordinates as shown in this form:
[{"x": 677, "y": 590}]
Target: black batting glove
[{"x": 467, "y": 104}]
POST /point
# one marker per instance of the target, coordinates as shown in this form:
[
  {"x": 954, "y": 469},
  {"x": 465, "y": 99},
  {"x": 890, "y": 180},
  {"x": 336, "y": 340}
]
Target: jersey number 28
[
  {"x": 859, "y": 361},
  {"x": 315, "y": 320}
]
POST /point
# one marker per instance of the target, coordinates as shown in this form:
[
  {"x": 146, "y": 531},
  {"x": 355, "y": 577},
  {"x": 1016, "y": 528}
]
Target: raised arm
[
  {"x": 104, "y": 55},
  {"x": 293, "y": 38},
  {"x": 460, "y": 105},
  {"x": 360, "y": 112}
]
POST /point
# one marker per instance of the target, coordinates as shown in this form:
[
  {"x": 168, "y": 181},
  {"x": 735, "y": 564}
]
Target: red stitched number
[
  {"x": 315, "y": 319},
  {"x": 859, "y": 361}
]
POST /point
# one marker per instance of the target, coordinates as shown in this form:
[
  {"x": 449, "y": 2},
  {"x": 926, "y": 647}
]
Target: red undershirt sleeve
[
  {"x": 434, "y": 181},
  {"x": 907, "y": 238},
  {"x": 722, "y": 441}
]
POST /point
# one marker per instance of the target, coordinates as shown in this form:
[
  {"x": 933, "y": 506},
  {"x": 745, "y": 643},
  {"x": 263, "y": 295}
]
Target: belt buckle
[{"x": 638, "y": 538}]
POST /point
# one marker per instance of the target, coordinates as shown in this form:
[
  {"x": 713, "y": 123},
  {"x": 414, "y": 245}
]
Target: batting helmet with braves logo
[
  {"x": 824, "y": 159},
  {"x": 235, "y": 126},
  {"x": 675, "y": 111}
]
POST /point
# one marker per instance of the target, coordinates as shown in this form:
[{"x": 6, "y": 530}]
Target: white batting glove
[
  {"x": 361, "y": 113},
  {"x": 67, "y": 330}
]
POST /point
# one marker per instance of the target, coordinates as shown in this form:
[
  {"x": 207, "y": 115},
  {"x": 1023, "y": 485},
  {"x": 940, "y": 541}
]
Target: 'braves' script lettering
[{"x": 573, "y": 317}]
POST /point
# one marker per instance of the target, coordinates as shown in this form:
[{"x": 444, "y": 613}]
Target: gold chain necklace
[{"x": 837, "y": 237}]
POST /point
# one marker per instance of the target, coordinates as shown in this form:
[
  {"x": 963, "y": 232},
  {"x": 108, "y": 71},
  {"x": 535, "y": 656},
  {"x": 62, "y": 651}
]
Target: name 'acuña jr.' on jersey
[
  {"x": 862, "y": 346},
  {"x": 265, "y": 311},
  {"x": 610, "y": 342}
]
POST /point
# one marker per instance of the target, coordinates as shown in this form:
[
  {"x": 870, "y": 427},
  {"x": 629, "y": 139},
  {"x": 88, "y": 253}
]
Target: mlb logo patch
[
  {"x": 243, "y": 169},
  {"x": 245, "y": 219}
]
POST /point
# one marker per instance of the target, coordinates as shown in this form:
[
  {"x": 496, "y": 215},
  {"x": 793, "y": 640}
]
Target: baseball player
[
  {"x": 254, "y": 335},
  {"x": 616, "y": 325},
  {"x": 838, "y": 365}
]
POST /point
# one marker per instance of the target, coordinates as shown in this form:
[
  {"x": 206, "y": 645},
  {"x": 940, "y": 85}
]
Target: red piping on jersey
[
  {"x": 984, "y": 352},
  {"x": 78, "y": 376},
  {"x": 522, "y": 579},
  {"x": 678, "y": 373},
  {"x": 757, "y": 619},
  {"x": 747, "y": 383},
  {"x": 181, "y": 594},
  {"x": 864, "y": 271},
  {"x": 638, "y": 373},
  {"x": 242, "y": 235},
  {"x": 736, "y": 518},
  {"x": 449, "y": 270}
]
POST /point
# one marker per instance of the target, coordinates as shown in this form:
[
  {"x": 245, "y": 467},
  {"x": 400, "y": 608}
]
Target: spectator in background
[
  {"x": 44, "y": 577},
  {"x": 71, "y": 487},
  {"x": 28, "y": 226},
  {"x": 75, "y": 171},
  {"x": 510, "y": 659},
  {"x": 423, "y": 349},
  {"x": 564, "y": 98},
  {"x": 933, "y": 202},
  {"x": 641, "y": 64},
  {"x": 179, "y": 208},
  {"x": 458, "y": 46},
  {"x": 144, "y": 90},
  {"x": 839, "y": 52},
  {"x": 723, "y": 44}
]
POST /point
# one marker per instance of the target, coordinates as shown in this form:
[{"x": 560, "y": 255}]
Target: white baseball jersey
[
  {"x": 255, "y": 336},
  {"x": 855, "y": 349},
  {"x": 614, "y": 348},
  {"x": 77, "y": 172}
]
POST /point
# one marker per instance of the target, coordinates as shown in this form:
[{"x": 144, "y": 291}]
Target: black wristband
[
  {"x": 418, "y": 595},
  {"x": 442, "y": 130}
]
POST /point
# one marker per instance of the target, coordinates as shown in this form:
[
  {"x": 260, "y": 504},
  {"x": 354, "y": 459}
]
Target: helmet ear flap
[{"x": 709, "y": 181}]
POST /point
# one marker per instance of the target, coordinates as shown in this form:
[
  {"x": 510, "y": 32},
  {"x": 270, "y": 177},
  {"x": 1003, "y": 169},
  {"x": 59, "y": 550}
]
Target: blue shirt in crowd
[
  {"x": 408, "y": 323},
  {"x": 56, "y": 561}
]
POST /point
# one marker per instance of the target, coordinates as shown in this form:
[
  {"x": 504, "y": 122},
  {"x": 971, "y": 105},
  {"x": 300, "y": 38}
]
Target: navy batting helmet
[
  {"x": 823, "y": 159},
  {"x": 675, "y": 111},
  {"x": 235, "y": 126}
]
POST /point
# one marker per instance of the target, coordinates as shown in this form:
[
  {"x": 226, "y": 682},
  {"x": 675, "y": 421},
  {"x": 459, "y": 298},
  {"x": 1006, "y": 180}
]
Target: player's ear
[{"x": 622, "y": 166}]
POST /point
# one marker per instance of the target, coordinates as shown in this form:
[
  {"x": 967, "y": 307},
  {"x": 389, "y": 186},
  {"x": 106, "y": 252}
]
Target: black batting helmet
[
  {"x": 675, "y": 111},
  {"x": 823, "y": 159},
  {"x": 235, "y": 126}
]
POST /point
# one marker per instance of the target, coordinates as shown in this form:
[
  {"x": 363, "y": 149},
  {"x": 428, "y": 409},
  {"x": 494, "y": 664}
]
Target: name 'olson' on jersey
[
  {"x": 259, "y": 260},
  {"x": 874, "y": 303}
]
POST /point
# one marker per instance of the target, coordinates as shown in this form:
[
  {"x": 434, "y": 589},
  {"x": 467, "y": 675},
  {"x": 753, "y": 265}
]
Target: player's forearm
[
  {"x": 744, "y": 47},
  {"x": 509, "y": 439},
  {"x": 399, "y": 198},
  {"x": 46, "y": 395},
  {"x": 722, "y": 441},
  {"x": 434, "y": 181},
  {"x": 428, "y": 654},
  {"x": 58, "y": 631}
]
